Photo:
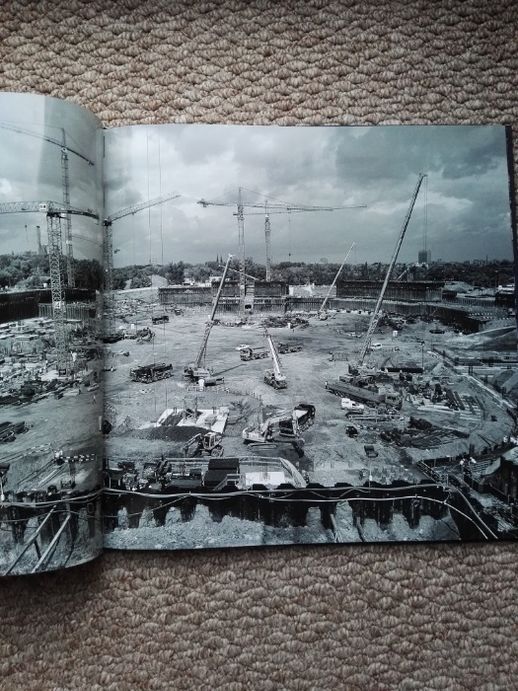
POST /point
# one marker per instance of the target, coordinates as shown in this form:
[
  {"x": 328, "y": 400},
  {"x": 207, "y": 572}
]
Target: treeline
[
  {"x": 487, "y": 275},
  {"x": 30, "y": 271},
  {"x": 481, "y": 275}
]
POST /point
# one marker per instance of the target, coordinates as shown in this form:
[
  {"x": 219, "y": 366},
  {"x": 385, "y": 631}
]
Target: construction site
[
  {"x": 388, "y": 415},
  {"x": 50, "y": 348},
  {"x": 242, "y": 406}
]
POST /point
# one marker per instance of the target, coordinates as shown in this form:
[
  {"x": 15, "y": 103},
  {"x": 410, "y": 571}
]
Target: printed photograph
[
  {"x": 310, "y": 336},
  {"x": 50, "y": 327}
]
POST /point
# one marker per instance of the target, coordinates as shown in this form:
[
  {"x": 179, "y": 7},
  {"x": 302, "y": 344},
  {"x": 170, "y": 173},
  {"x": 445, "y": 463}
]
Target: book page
[
  {"x": 313, "y": 336},
  {"x": 50, "y": 366}
]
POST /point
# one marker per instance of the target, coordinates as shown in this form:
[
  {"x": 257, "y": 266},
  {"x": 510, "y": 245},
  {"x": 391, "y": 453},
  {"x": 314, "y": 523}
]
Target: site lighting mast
[
  {"x": 56, "y": 213},
  {"x": 376, "y": 315},
  {"x": 65, "y": 181},
  {"x": 269, "y": 208}
]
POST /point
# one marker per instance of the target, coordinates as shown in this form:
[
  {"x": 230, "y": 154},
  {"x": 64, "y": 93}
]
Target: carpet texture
[{"x": 411, "y": 617}]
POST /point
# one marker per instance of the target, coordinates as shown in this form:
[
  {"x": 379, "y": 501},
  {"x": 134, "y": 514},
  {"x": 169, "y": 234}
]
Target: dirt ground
[{"x": 330, "y": 456}]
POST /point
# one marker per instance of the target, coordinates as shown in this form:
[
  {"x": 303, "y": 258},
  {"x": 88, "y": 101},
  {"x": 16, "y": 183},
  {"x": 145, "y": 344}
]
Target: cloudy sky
[
  {"x": 30, "y": 169},
  {"x": 464, "y": 204}
]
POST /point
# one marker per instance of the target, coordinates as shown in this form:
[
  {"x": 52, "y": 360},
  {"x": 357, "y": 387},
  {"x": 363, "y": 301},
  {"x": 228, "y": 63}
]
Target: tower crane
[
  {"x": 321, "y": 311},
  {"x": 55, "y": 212},
  {"x": 108, "y": 235},
  {"x": 196, "y": 370},
  {"x": 268, "y": 209},
  {"x": 65, "y": 151},
  {"x": 108, "y": 247},
  {"x": 274, "y": 377},
  {"x": 376, "y": 315}
]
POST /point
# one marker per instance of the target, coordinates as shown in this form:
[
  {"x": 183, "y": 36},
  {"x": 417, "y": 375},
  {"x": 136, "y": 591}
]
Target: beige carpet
[{"x": 316, "y": 618}]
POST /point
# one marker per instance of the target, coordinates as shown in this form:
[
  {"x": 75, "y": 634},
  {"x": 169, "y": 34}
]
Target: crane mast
[
  {"x": 65, "y": 181},
  {"x": 55, "y": 212},
  {"x": 268, "y": 243},
  {"x": 335, "y": 279},
  {"x": 242, "y": 254},
  {"x": 68, "y": 218},
  {"x": 108, "y": 235},
  {"x": 376, "y": 315},
  {"x": 108, "y": 246},
  {"x": 268, "y": 209}
]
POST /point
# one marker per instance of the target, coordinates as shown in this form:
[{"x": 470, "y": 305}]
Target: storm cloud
[{"x": 463, "y": 208}]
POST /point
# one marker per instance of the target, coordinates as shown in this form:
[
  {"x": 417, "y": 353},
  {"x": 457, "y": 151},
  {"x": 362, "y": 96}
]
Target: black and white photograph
[
  {"x": 309, "y": 336},
  {"x": 51, "y": 274}
]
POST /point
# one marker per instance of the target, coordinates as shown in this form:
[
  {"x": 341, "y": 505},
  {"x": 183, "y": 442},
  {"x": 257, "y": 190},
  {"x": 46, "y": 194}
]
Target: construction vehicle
[
  {"x": 352, "y": 407},
  {"x": 377, "y": 314},
  {"x": 274, "y": 377},
  {"x": 196, "y": 371},
  {"x": 9, "y": 430},
  {"x": 145, "y": 335},
  {"x": 160, "y": 319},
  {"x": 200, "y": 444},
  {"x": 284, "y": 427},
  {"x": 151, "y": 373},
  {"x": 284, "y": 348},
  {"x": 247, "y": 353}
]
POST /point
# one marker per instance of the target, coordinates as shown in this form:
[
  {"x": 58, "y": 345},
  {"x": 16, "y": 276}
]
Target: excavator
[
  {"x": 204, "y": 444},
  {"x": 196, "y": 371},
  {"x": 274, "y": 377}
]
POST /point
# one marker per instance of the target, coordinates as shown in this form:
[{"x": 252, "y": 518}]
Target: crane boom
[
  {"x": 335, "y": 279},
  {"x": 274, "y": 377},
  {"x": 129, "y": 210},
  {"x": 44, "y": 208},
  {"x": 376, "y": 315},
  {"x": 272, "y": 208},
  {"x": 108, "y": 235},
  {"x": 46, "y": 138},
  {"x": 274, "y": 354},
  {"x": 203, "y": 347}
]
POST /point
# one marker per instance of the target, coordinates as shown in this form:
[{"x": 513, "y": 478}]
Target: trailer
[
  {"x": 151, "y": 373},
  {"x": 160, "y": 319},
  {"x": 284, "y": 348},
  {"x": 247, "y": 353}
]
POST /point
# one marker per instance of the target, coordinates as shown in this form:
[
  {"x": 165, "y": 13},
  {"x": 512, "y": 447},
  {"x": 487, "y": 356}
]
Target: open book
[{"x": 216, "y": 336}]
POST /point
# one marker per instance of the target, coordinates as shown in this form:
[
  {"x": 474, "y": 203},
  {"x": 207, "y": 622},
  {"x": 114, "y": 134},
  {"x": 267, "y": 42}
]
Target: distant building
[{"x": 424, "y": 257}]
